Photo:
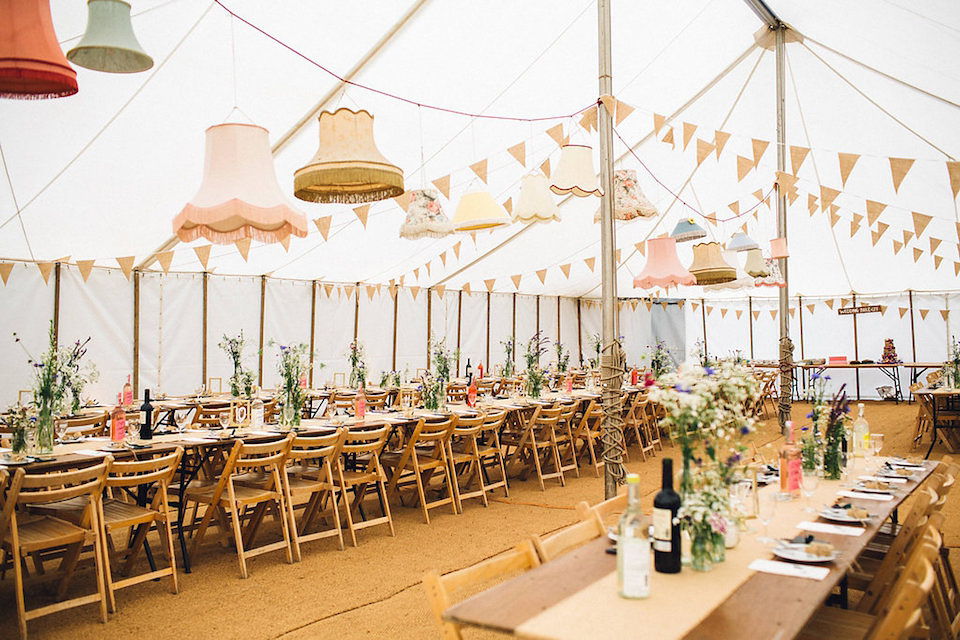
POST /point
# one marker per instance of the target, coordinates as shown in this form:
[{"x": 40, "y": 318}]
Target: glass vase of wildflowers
[{"x": 292, "y": 365}]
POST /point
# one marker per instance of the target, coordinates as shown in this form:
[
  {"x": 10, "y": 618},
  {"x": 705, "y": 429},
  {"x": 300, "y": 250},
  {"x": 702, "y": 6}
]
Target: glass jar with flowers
[
  {"x": 535, "y": 347},
  {"x": 358, "y": 366},
  {"x": 292, "y": 365},
  {"x": 241, "y": 382}
]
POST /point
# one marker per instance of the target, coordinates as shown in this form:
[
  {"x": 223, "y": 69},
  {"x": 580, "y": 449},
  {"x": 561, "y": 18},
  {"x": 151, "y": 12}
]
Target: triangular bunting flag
[
  {"x": 556, "y": 133},
  {"x": 427, "y": 267},
  {"x": 623, "y": 111},
  {"x": 827, "y": 196},
  {"x": 508, "y": 205},
  {"x": 847, "y": 162},
  {"x": 704, "y": 149},
  {"x": 917, "y": 253},
  {"x": 953, "y": 170},
  {"x": 903, "y": 311},
  {"x": 743, "y": 167},
  {"x": 480, "y": 168},
  {"x": 362, "y": 212},
  {"x": 708, "y": 309},
  {"x": 844, "y": 302},
  {"x": 756, "y": 315},
  {"x": 516, "y": 281},
  {"x": 810, "y": 308},
  {"x": 7, "y": 267},
  {"x": 829, "y": 303},
  {"x": 688, "y": 131},
  {"x": 86, "y": 266},
  {"x": 589, "y": 119},
  {"x": 490, "y": 282},
  {"x": 723, "y": 312},
  {"x": 934, "y": 243},
  {"x": 834, "y": 219},
  {"x": 773, "y": 314},
  {"x": 46, "y": 268},
  {"x": 920, "y": 222},
  {"x": 443, "y": 185},
  {"x": 565, "y": 268},
  {"x": 641, "y": 248},
  {"x": 897, "y": 246},
  {"x": 898, "y": 170},
  {"x": 945, "y": 313},
  {"x": 735, "y": 207},
  {"x": 854, "y": 227},
  {"x": 519, "y": 153},
  {"x": 542, "y": 274},
  {"x": 797, "y": 156},
  {"x": 658, "y": 121},
  {"x": 348, "y": 290},
  {"x": 165, "y": 258},
  {"x": 923, "y": 313},
  {"x": 545, "y": 167},
  {"x": 285, "y": 242},
  {"x": 791, "y": 311},
  {"x": 739, "y": 313},
  {"x": 883, "y": 309},
  {"x": 466, "y": 288},
  {"x": 203, "y": 254},
  {"x": 616, "y": 256},
  {"x": 393, "y": 290},
  {"x": 443, "y": 258},
  {"x": 456, "y": 249},
  {"x": 874, "y": 209},
  {"x": 323, "y": 225},
  {"x": 956, "y": 268},
  {"x": 712, "y": 218},
  {"x": 720, "y": 141},
  {"x": 881, "y": 228},
  {"x": 589, "y": 262},
  {"x": 668, "y": 138},
  {"x": 759, "y": 148},
  {"x": 907, "y": 236},
  {"x": 403, "y": 200},
  {"x": 440, "y": 288},
  {"x": 694, "y": 306},
  {"x": 328, "y": 289},
  {"x": 371, "y": 290},
  {"x": 811, "y": 203},
  {"x": 414, "y": 291},
  {"x": 416, "y": 273},
  {"x": 936, "y": 261},
  {"x": 243, "y": 246},
  {"x": 126, "y": 264}
]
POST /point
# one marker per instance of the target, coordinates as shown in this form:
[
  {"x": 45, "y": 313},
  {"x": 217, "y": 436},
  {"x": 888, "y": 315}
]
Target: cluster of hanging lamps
[
  {"x": 32, "y": 65},
  {"x": 708, "y": 265},
  {"x": 109, "y": 43},
  {"x": 478, "y": 210},
  {"x": 425, "y": 216},
  {"x": 663, "y": 268},
  {"x": 534, "y": 202},
  {"x": 775, "y": 279},
  {"x": 574, "y": 173},
  {"x": 240, "y": 196},
  {"x": 347, "y": 168},
  {"x": 686, "y": 230}
]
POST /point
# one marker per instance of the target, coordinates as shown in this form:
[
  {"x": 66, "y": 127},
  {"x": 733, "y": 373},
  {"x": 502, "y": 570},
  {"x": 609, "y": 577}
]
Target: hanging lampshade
[
  {"x": 778, "y": 248},
  {"x": 534, "y": 202},
  {"x": 741, "y": 242},
  {"x": 239, "y": 196},
  {"x": 628, "y": 199},
  {"x": 708, "y": 265},
  {"x": 663, "y": 268},
  {"x": 574, "y": 173},
  {"x": 347, "y": 167},
  {"x": 775, "y": 279},
  {"x": 32, "y": 65},
  {"x": 742, "y": 279},
  {"x": 756, "y": 266},
  {"x": 109, "y": 43},
  {"x": 425, "y": 216},
  {"x": 478, "y": 210},
  {"x": 686, "y": 230}
]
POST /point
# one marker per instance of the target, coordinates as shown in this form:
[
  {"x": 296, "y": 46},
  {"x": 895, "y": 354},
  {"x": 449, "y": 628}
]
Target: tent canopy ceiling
[{"x": 101, "y": 174}]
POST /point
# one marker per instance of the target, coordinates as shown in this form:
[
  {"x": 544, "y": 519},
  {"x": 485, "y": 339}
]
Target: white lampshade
[
  {"x": 534, "y": 202},
  {"x": 109, "y": 43},
  {"x": 574, "y": 173},
  {"x": 628, "y": 199},
  {"x": 741, "y": 242},
  {"x": 425, "y": 216},
  {"x": 478, "y": 210},
  {"x": 756, "y": 266}
]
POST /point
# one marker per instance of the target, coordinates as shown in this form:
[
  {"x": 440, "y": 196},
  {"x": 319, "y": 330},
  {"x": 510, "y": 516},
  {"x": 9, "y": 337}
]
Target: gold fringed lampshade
[
  {"x": 628, "y": 199},
  {"x": 574, "y": 173},
  {"x": 742, "y": 280},
  {"x": 347, "y": 168},
  {"x": 478, "y": 210},
  {"x": 663, "y": 268},
  {"x": 709, "y": 266},
  {"x": 32, "y": 65},
  {"x": 239, "y": 196},
  {"x": 425, "y": 216},
  {"x": 109, "y": 43},
  {"x": 534, "y": 202}
]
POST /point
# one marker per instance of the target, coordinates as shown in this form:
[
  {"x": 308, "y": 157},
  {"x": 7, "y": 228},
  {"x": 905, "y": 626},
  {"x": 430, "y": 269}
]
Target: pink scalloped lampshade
[
  {"x": 240, "y": 196},
  {"x": 663, "y": 268},
  {"x": 32, "y": 64}
]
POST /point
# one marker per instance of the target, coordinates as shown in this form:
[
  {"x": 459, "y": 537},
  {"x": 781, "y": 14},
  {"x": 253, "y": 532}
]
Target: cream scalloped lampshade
[
  {"x": 709, "y": 266},
  {"x": 425, "y": 216},
  {"x": 574, "y": 173},
  {"x": 239, "y": 196},
  {"x": 109, "y": 44},
  {"x": 347, "y": 168},
  {"x": 534, "y": 202},
  {"x": 478, "y": 210},
  {"x": 742, "y": 279},
  {"x": 663, "y": 268},
  {"x": 756, "y": 266}
]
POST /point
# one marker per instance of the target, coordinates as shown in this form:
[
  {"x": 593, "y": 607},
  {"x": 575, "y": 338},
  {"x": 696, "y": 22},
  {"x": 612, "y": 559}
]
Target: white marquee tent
[{"x": 100, "y": 175}]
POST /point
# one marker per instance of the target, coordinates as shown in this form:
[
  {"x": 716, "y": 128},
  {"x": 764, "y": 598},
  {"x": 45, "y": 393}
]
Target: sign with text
[{"x": 864, "y": 308}]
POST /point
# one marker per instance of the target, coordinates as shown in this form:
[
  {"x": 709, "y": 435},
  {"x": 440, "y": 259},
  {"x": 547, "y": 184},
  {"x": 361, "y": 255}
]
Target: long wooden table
[
  {"x": 944, "y": 406},
  {"x": 575, "y": 596},
  {"x": 890, "y": 369}
]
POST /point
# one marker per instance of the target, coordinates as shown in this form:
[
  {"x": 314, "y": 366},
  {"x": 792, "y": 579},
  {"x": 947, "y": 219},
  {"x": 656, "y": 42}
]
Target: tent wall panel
[
  {"x": 590, "y": 325},
  {"x": 233, "y": 305},
  {"x": 637, "y": 332},
  {"x": 29, "y": 305},
  {"x": 333, "y": 334},
  {"x": 568, "y": 329},
  {"x": 286, "y": 322},
  {"x": 443, "y": 320},
  {"x": 171, "y": 326},
  {"x": 411, "y": 331},
  {"x": 101, "y": 308},
  {"x": 376, "y": 333},
  {"x": 548, "y": 328},
  {"x": 931, "y": 331},
  {"x": 526, "y": 326},
  {"x": 669, "y": 325},
  {"x": 473, "y": 330},
  {"x": 501, "y": 328}
]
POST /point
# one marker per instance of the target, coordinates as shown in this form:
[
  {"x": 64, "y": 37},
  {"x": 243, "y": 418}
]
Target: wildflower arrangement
[
  {"x": 509, "y": 346},
  {"x": 535, "y": 347},
  {"x": 819, "y": 416},
  {"x": 953, "y": 364},
  {"x": 702, "y": 516},
  {"x": 434, "y": 388},
  {"x": 292, "y": 365},
  {"x": 20, "y": 419},
  {"x": 242, "y": 378},
  {"x": 597, "y": 342},
  {"x": 358, "y": 367},
  {"x": 700, "y": 351},
  {"x": 835, "y": 434},
  {"x": 660, "y": 360},
  {"x": 563, "y": 357}
]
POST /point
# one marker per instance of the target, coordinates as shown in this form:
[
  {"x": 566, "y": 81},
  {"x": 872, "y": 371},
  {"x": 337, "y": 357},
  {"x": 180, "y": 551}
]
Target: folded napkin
[
  {"x": 789, "y": 569},
  {"x": 900, "y": 462},
  {"x": 93, "y": 453},
  {"x": 201, "y": 440},
  {"x": 263, "y": 433},
  {"x": 879, "y": 497},
  {"x": 823, "y": 527},
  {"x": 892, "y": 479}
]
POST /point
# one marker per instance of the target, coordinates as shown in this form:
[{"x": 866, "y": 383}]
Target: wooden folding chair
[
  {"x": 456, "y": 393},
  {"x": 637, "y": 421},
  {"x": 586, "y": 437},
  {"x": 376, "y": 399},
  {"x": 230, "y": 502},
  {"x": 441, "y": 589},
  {"x": 311, "y": 482},
  {"x": 486, "y": 387},
  {"x": 363, "y": 447},
  {"x": 607, "y": 511},
  {"x": 94, "y": 424},
  {"x": 341, "y": 399},
  {"x": 208, "y": 416},
  {"x": 566, "y": 451},
  {"x": 508, "y": 386},
  {"x": 23, "y": 533},
  {"x": 568, "y": 538},
  {"x": 924, "y": 413},
  {"x": 536, "y": 446},
  {"x": 423, "y": 457}
]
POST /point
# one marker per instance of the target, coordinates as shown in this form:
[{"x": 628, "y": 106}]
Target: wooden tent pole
[
  {"x": 429, "y": 309},
  {"x": 750, "y": 319},
  {"x": 136, "y": 333},
  {"x": 558, "y": 321},
  {"x": 703, "y": 319},
  {"x": 313, "y": 326},
  {"x": 856, "y": 346},
  {"x": 396, "y": 298},
  {"x": 800, "y": 312},
  {"x": 513, "y": 325},
  {"x": 459, "y": 317},
  {"x": 913, "y": 335},
  {"x": 489, "y": 367},
  {"x": 263, "y": 313},
  {"x": 56, "y": 304},
  {"x": 356, "y": 312},
  {"x": 205, "y": 281},
  {"x": 579, "y": 335},
  {"x": 537, "y": 333}
]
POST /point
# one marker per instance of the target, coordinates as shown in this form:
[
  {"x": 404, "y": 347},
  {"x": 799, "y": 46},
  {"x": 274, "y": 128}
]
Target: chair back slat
[
  {"x": 63, "y": 485},
  {"x": 140, "y": 472},
  {"x": 365, "y": 440}
]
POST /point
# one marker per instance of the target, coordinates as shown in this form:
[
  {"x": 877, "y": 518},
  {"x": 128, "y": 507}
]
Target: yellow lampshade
[
  {"x": 478, "y": 210},
  {"x": 347, "y": 168},
  {"x": 709, "y": 266},
  {"x": 574, "y": 173}
]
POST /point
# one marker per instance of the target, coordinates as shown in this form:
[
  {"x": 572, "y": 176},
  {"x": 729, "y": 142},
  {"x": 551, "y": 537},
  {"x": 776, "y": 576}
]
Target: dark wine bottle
[
  {"x": 146, "y": 417},
  {"x": 468, "y": 373},
  {"x": 666, "y": 528}
]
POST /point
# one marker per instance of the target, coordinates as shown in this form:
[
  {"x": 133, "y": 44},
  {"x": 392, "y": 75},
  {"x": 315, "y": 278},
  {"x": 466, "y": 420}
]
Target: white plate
[
  {"x": 840, "y": 515},
  {"x": 8, "y": 459},
  {"x": 797, "y": 553},
  {"x": 860, "y": 487}
]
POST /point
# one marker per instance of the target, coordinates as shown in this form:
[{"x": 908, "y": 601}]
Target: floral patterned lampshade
[
  {"x": 628, "y": 199},
  {"x": 775, "y": 279},
  {"x": 534, "y": 202},
  {"x": 574, "y": 173},
  {"x": 709, "y": 266},
  {"x": 109, "y": 43},
  {"x": 756, "y": 266},
  {"x": 32, "y": 65},
  {"x": 425, "y": 216},
  {"x": 663, "y": 268}
]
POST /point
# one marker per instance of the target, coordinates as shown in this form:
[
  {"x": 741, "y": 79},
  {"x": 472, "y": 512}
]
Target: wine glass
[
  {"x": 809, "y": 483},
  {"x": 766, "y": 509},
  {"x": 224, "y": 419},
  {"x": 180, "y": 418},
  {"x": 876, "y": 444},
  {"x": 60, "y": 428}
]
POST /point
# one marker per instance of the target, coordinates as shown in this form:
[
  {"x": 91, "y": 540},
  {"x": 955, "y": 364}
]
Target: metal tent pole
[{"x": 611, "y": 360}]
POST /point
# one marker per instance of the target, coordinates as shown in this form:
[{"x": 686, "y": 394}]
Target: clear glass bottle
[
  {"x": 256, "y": 412},
  {"x": 861, "y": 434},
  {"x": 633, "y": 546}
]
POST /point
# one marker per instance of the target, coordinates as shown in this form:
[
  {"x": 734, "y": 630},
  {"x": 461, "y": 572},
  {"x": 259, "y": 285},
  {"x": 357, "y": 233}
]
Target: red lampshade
[
  {"x": 32, "y": 65},
  {"x": 663, "y": 268}
]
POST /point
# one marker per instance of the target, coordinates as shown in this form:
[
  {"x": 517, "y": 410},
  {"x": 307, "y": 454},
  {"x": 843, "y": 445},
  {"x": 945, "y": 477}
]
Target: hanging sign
[{"x": 864, "y": 308}]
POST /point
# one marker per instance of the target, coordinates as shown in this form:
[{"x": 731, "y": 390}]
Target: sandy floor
[{"x": 373, "y": 590}]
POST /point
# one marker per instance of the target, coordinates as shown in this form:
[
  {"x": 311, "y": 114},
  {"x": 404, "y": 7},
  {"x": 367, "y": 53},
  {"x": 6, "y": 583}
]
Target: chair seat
[
  {"x": 43, "y": 532},
  {"x": 425, "y": 460},
  {"x": 70, "y": 510},
  {"x": 351, "y": 477},
  {"x": 243, "y": 494},
  {"x": 117, "y": 513},
  {"x": 837, "y": 624}
]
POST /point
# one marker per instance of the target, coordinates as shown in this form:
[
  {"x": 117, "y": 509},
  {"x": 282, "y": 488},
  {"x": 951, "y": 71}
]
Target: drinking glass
[
  {"x": 809, "y": 483},
  {"x": 876, "y": 444},
  {"x": 767, "y": 508},
  {"x": 224, "y": 419},
  {"x": 60, "y": 428},
  {"x": 180, "y": 418},
  {"x": 287, "y": 413}
]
